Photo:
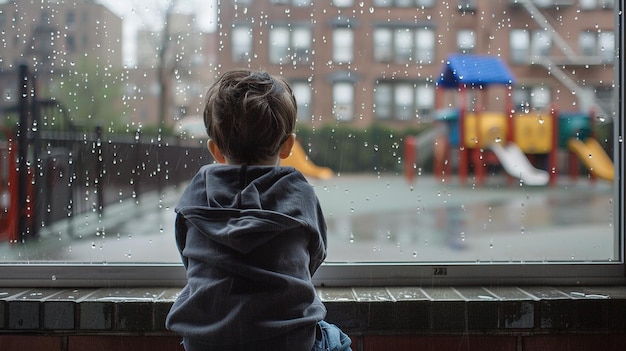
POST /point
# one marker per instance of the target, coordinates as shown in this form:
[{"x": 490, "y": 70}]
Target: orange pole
[
  {"x": 463, "y": 161},
  {"x": 552, "y": 162},
  {"x": 410, "y": 154}
]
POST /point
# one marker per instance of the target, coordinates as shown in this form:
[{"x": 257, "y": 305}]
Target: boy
[{"x": 250, "y": 233}]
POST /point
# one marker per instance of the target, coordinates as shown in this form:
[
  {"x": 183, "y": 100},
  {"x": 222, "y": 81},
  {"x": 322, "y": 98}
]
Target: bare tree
[{"x": 166, "y": 65}]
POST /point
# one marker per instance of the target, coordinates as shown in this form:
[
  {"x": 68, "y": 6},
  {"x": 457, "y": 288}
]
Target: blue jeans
[{"x": 333, "y": 339}]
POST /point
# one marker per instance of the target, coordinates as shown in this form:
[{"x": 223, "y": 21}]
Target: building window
[
  {"x": 541, "y": 43},
  {"x": 290, "y": 44},
  {"x": 241, "y": 41},
  {"x": 599, "y": 44},
  {"x": 587, "y": 43},
  {"x": 343, "y": 3},
  {"x": 383, "y": 45},
  {"x": 343, "y": 101},
  {"x": 303, "y": 94},
  {"x": 520, "y": 45},
  {"x": 606, "y": 46},
  {"x": 531, "y": 98},
  {"x": 404, "y": 3},
  {"x": 466, "y": 41},
  {"x": 467, "y": 5},
  {"x": 297, "y": 3},
  {"x": 404, "y": 45},
  {"x": 403, "y": 101},
  {"x": 343, "y": 45}
]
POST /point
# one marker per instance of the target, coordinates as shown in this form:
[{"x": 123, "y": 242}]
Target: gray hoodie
[{"x": 250, "y": 239}]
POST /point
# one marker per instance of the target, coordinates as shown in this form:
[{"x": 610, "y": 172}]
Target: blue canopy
[{"x": 474, "y": 70}]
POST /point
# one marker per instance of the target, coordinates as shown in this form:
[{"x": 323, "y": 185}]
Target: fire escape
[{"x": 556, "y": 66}]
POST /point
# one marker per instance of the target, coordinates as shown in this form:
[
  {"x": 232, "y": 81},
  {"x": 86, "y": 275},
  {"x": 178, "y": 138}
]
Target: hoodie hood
[{"x": 243, "y": 207}]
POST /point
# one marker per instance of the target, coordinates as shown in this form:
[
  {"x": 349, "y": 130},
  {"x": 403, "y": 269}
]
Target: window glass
[
  {"x": 343, "y": 43},
  {"x": 587, "y": 43},
  {"x": 466, "y": 41},
  {"x": 403, "y": 45},
  {"x": 587, "y": 4},
  {"x": 383, "y": 96},
  {"x": 279, "y": 44},
  {"x": 541, "y": 43},
  {"x": 606, "y": 46},
  {"x": 424, "y": 46},
  {"x": 241, "y": 43},
  {"x": 303, "y": 94},
  {"x": 519, "y": 45},
  {"x": 450, "y": 144},
  {"x": 343, "y": 100},
  {"x": 383, "y": 44},
  {"x": 343, "y": 3}
]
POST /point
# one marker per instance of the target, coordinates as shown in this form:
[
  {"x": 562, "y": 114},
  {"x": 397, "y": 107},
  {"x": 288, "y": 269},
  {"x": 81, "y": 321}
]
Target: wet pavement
[{"x": 374, "y": 219}]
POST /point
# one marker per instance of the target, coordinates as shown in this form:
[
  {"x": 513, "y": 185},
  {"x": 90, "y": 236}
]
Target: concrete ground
[{"x": 374, "y": 219}]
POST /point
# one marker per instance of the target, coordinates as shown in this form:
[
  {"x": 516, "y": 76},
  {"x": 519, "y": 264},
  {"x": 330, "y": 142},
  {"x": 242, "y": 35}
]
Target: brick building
[{"x": 378, "y": 60}]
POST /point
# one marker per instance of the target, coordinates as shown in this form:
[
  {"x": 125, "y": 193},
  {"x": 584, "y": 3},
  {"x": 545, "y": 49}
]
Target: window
[
  {"x": 304, "y": 95},
  {"x": 383, "y": 47},
  {"x": 531, "y": 98},
  {"x": 343, "y": 3},
  {"x": 343, "y": 101},
  {"x": 404, "y": 3},
  {"x": 520, "y": 44},
  {"x": 541, "y": 43},
  {"x": 299, "y": 3},
  {"x": 466, "y": 41},
  {"x": 241, "y": 43},
  {"x": 289, "y": 44},
  {"x": 587, "y": 43},
  {"x": 343, "y": 43},
  {"x": 403, "y": 101},
  {"x": 119, "y": 139},
  {"x": 598, "y": 43},
  {"x": 403, "y": 45},
  {"x": 587, "y": 4},
  {"x": 606, "y": 46}
]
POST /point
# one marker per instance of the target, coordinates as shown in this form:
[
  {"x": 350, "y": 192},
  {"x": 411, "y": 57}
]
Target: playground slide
[
  {"x": 593, "y": 157},
  {"x": 300, "y": 161},
  {"x": 516, "y": 164}
]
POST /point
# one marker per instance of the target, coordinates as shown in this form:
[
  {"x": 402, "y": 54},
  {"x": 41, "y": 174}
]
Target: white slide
[{"x": 517, "y": 165}]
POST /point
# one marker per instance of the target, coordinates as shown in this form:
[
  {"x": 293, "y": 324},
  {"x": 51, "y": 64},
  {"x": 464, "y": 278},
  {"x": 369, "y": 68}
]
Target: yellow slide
[
  {"x": 593, "y": 156},
  {"x": 300, "y": 161}
]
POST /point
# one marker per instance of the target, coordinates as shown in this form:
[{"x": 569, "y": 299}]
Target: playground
[{"x": 526, "y": 144}]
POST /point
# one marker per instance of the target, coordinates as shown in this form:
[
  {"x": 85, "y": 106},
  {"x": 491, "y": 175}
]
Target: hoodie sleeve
[
  {"x": 318, "y": 246},
  {"x": 180, "y": 229}
]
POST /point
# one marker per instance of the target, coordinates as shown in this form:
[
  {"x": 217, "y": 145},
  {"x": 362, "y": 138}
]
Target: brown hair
[{"x": 249, "y": 115}]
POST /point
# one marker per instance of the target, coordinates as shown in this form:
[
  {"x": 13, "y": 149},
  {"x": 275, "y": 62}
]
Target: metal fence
[{"x": 50, "y": 175}]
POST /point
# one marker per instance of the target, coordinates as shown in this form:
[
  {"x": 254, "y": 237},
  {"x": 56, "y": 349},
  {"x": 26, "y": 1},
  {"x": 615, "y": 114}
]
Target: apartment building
[
  {"x": 362, "y": 61},
  {"x": 54, "y": 38},
  {"x": 58, "y": 33}
]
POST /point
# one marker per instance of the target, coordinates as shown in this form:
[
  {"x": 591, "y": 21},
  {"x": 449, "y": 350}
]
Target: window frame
[{"x": 376, "y": 274}]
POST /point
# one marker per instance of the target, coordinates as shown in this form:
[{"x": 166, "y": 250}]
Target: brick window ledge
[{"x": 375, "y": 317}]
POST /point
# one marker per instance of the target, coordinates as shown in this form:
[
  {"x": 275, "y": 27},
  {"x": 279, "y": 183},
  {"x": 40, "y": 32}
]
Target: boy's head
[{"x": 250, "y": 117}]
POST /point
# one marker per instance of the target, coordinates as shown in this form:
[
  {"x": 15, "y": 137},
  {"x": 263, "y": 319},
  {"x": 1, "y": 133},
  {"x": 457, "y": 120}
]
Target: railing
[{"x": 47, "y": 176}]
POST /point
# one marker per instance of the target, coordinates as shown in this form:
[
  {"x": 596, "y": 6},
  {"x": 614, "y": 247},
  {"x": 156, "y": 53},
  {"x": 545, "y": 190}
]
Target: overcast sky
[{"x": 148, "y": 14}]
